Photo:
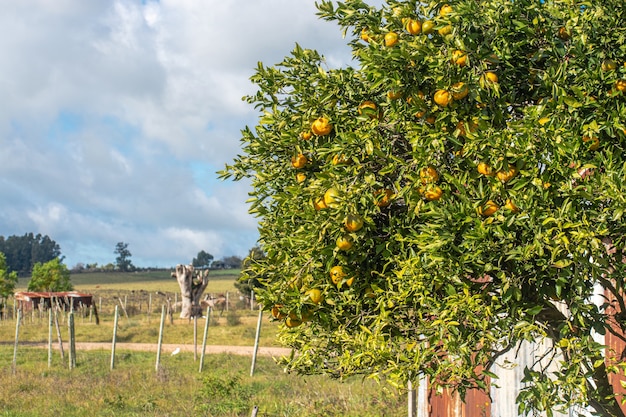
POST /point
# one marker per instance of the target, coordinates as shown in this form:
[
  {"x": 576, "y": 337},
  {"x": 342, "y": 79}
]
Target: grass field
[
  {"x": 220, "y": 281},
  {"x": 223, "y": 389},
  {"x": 135, "y": 388}
]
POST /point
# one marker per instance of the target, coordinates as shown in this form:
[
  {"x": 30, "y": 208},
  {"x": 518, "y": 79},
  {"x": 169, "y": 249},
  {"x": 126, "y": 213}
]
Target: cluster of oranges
[
  {"x": 438, "y": 99},
  {"x": 352, "y": 223},
  {"x": 443, "y": 98}
]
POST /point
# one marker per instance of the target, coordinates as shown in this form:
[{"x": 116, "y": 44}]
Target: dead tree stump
[{"x": 192, "y": 284}]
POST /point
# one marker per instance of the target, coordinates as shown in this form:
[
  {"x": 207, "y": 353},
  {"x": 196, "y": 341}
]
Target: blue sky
[{"x": 115, "y": 116}]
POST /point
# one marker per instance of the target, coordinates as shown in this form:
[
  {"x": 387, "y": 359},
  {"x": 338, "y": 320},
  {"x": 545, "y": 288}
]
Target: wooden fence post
[
  {"x": 158, "y": 358},
  {"x": 50, "y": 336},
  {"x": 115, "y": 317},
  {"x": 17, "y": 335},
  {"x": 123, "y": 305},
  {"x": 70, "y": 323},
  {"x": 256, "y": 340},
  {"x": 149, "y": 306},
  {"x": 58, "y": 328},
  {"x": 195, "y": 338},
  {"x": 206, "y": 332}
]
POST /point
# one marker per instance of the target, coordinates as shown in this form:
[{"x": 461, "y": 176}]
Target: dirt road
[
  {"x": 169, "y": 348},
  {"x": 210, "y": 349}
]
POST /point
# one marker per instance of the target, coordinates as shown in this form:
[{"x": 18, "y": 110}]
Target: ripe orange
[
  {"x": 508, "y": 174},
  {"x": 459, "y": 58},
  {"x": 315, "y": 295},
  {"x": 369, "y": 108},
  {"x": 300, "y": 177},
  {"x": 330, "y": 197},
  {"x": 608, "y": 65},
  {"x": 484, "y": 169},
  {"x": 340, "y": 159},
  {"x": 445, "y": 9},
  {"x": 620, "y": 85},
  {"x": 459, "y": 91},
  {"x": 488, "y": 209},
  {"x": 433, "y": 193},
  {"x": 391, "y": 39},
  {"x": 489, "y": 77},
  {"x": 337, "y": 274},
  {"x": 319, "y": 203},
  {"x": 299, "y": 161},
  {"x": 595, "y": 142},
  {"x": 365, "y": 35},
  {"x": 344, "y": 242},
  {"x": 414, "y": 27},
  {"x": 429, "y": 175},
  {"x": 511, "y": 206},
  {"x": 563, "y": 34},
  {"x": 353, "y": 222},
  {"x": 394, "y": 94},
  {"x": 385, "y": 200},
  {"x": 428, "y": 27},
  {"x": 306, "y": 135},
  {"x": 446, "y": 30},
  {"x": 277, "y": 313},
  {"x": 307, "y": 315},
  {"x": 471, "y": 127},
  {"x": 321, "y": 126},
  {"x": 461, "y": 128},
  {"x": 442, "y": 98},
  {"x": 292, "y": 321}
]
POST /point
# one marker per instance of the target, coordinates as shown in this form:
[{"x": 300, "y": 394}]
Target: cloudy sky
[{"x": 116, "y": 114}]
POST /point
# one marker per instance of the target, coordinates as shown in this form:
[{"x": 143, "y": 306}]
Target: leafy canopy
[
  {"x": 7, "y": 279},
  {"x": 123, "y": 261},
  {"x": 50, "y": 276},
  {"x": 483, "y": 153}
]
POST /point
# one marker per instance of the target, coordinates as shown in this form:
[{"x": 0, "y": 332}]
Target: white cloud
[{"x": 110, "y": 107}]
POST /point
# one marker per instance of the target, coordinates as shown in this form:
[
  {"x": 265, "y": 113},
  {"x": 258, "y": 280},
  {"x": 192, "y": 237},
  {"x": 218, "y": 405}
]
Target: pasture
[{"x": 135, "y": 388}]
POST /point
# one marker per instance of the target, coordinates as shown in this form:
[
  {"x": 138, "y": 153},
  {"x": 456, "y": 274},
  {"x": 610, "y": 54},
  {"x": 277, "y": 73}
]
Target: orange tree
[{"x": 457, "y": 190}]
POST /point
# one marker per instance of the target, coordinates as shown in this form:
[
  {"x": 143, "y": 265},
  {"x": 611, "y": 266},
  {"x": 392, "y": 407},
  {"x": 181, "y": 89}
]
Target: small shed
[{"x": 70, "y": 300}]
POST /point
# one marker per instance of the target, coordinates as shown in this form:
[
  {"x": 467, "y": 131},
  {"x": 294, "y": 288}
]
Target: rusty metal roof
[{"x": 29, "y": 295}]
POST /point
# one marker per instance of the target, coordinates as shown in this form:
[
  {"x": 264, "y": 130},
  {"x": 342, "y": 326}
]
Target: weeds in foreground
[{"x": 223, "y": 389}]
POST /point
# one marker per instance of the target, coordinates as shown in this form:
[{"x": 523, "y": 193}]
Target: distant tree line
[
  {"x": 7, "y": 281},
  {"x": 23, "y": 252},
  {"x": 227, "y": 262}
]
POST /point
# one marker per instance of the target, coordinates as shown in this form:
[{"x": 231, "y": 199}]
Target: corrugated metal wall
[
  {"x": 510, "y": 370},
  {"x": 615, "y": 351},
  {"x": 477, "y": 404}
]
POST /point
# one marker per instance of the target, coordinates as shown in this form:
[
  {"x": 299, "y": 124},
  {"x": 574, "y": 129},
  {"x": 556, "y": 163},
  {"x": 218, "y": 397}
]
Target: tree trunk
[
  {"x": 192, "y": 285},
  {"x": 601, "y": 394}
]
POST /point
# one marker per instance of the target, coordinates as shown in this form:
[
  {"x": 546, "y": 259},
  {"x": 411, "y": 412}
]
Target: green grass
[
  {"x": 134, "y": 388},
  {"x": 140, "y": 329},
  {"x": 220, "y": 281}
]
